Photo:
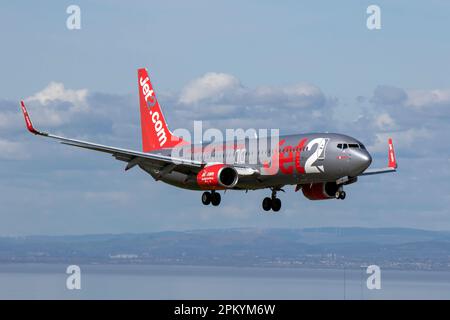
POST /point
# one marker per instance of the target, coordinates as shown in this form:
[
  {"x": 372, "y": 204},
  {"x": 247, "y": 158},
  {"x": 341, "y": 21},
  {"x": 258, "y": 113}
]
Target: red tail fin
[{"x": 155, "y": 132}]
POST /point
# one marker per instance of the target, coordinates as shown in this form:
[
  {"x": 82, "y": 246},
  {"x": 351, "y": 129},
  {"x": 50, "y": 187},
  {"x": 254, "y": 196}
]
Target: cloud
[
  {"x": 210, "y": 86},
  {"x": 387, "y": 95},
  {"x": 10, "y": 150},
  {"x": 221, "y": 101},
  {"x": 10, "y": 119},
  {"x": 55, "y": 91},
  {"x": 225, "y": 89},
  {"x": 55, "y": 105},
  {"x": 418, "y": 99},
  {"x": 384, "y": 121},
  {"x": 413, "y": 117},
  {"x": 297, "y": 96},
  {"x": 428, "y": 98},
  {"x": 410, "y": 138}
]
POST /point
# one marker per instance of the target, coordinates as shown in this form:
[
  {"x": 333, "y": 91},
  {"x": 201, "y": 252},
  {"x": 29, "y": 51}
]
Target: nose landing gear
[
  {"x": 340, "y": 194},
  {"x": 273, "y": 202},
  {"x": 212, "y": 197}
]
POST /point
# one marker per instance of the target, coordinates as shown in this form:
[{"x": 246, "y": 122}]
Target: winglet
[
  {"x": 392, "y": 162},
  {"x": 27, "y": 119}
]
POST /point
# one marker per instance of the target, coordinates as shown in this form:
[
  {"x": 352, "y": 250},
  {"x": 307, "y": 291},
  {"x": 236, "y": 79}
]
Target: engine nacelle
[
  {"x": 320, "y": 191},
  {"x": 217, "y": 176}
]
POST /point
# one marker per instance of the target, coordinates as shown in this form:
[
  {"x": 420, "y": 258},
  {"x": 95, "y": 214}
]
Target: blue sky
[{"x": 346, "y": 78}]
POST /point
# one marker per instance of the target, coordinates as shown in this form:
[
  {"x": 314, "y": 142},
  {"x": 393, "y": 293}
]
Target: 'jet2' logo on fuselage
[
  {"x": 150, "y": 100},
  {"x": 289, "y": 157}
]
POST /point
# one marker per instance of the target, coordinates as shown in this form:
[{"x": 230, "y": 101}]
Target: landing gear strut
[
  {"x": 211, "y": 197},
  {"x": 272, "y": 203}
]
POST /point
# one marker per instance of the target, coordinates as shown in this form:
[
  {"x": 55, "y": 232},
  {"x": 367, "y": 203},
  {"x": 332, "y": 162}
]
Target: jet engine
[
  {"x": 320, "y": 191},
  {"x": 217, "y": 176}
]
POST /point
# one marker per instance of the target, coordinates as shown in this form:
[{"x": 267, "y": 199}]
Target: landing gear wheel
[
  {"x": 276, "y": 204},
  {"x": 267, "y": 204},
  {"x": 206, "y": 198},
  {"x": 340, "y": 195},
  {"x": 215, "y": 198}
]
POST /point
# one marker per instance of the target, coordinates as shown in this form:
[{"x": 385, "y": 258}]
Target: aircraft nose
[{"x": 362, "y": 161}]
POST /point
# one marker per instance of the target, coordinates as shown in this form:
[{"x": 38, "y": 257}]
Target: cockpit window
[{"x": 350, "y": 145}]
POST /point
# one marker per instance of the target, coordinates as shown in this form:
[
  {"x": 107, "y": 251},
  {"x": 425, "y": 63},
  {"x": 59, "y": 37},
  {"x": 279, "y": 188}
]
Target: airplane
[{"x": 318, "y": 164}]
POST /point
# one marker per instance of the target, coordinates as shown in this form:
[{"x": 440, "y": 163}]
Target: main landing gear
[
  {"x": 272, "y": 203},
  {"x": 212, "y": 197}
]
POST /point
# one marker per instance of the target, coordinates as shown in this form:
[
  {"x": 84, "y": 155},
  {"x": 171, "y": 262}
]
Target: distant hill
[{"x": 313, "y": 247}]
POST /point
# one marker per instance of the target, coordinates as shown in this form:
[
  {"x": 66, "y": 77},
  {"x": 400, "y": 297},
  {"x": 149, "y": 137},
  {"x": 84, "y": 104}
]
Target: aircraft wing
[
  {"x": 392, "y": 163},
  {"x": 132, "y": 157},
  {"x": 369, "y": 172}
]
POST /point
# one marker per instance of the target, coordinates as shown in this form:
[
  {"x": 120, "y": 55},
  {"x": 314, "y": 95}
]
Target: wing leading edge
[{"x": 132, "y": 157}]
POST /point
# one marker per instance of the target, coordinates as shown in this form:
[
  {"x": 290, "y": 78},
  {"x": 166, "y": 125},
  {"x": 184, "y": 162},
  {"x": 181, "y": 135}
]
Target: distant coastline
[{"x": 317, "y": 248}]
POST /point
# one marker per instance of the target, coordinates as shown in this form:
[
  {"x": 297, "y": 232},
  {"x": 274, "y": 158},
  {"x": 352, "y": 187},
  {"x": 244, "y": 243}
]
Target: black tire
[
  {"x": 342, "y": 196},
  {"x": 267, "y": 204},
  {"x": 206, "y": 198},
  {"x": 215, "y": 198},
  {"x": 276, "y": 204}
]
